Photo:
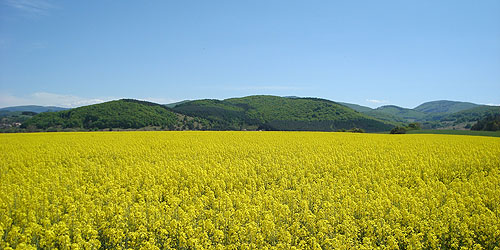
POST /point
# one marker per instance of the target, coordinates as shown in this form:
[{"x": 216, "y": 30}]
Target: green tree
[{"x": 398, "y": 130}]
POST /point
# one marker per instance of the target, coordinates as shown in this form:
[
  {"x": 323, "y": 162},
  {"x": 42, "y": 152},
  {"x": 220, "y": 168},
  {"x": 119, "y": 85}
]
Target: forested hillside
[
  {"x": 465, "y": 117},
  {"x": 490, "y": 123},
  {"x": 12, "y": 117},
  {"x": 114, "y": 114},
  {"x": 280, "y": 113},
  {"x": 247, "y": 113},
  {"x": 260, "y": 112},
  {"x": 432, "y": 115},
  {"x": 408, "y": 115},
  {"x": 444, "y": 106}
]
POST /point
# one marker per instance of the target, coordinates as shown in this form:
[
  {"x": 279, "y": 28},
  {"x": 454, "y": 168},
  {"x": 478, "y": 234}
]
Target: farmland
[{"x": 248, "y": 190}]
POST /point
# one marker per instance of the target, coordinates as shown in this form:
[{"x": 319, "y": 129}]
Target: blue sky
[{"x": 72, "y": 53}]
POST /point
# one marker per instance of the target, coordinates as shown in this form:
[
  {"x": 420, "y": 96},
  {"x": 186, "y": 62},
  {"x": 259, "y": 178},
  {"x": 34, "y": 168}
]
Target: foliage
[
  {"x": 171, "y": 105},
  {"x": 28, "y": 113},
  {"x": 469, "y": 115},
  {"x": 352, "y": 130},
  {"x": 9, "y": 120},
  {"x": 359, "y": 108},
  {"x": 356, "y": 130},
  {"x": 436, "y": 114},
  {"x": 406, "y": 114},
  {"x": 248, "y": 190},
  {"x": 398, "y": 130},
  {"x": 249, "y": 113},
  {"x": 222, "y": 115},
  {"x": 463, "y": 118},
  {"x": 441, "y": 107},
  {"x": 414, "y": 125},
  {"x": 280, "y": 113},
  {"x": 404, "y": 129},
  {"x": 114, "y": 114},
  {"x": 490, "y": 123},
  {"x": 386, "y": 117}
]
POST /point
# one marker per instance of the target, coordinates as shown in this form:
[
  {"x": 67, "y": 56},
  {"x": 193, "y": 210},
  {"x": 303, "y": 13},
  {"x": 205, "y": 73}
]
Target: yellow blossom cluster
[{"x": 248, "y": 190}]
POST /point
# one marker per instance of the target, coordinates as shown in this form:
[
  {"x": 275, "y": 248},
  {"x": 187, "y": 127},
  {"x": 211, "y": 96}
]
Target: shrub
[
  {"x": 398, "y": 130},
  {"x": 356, "y": 130}
]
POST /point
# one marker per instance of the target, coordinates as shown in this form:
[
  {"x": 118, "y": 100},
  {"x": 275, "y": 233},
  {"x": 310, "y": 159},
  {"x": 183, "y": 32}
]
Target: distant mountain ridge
[
  {"x": 434, "y": 114},
  {"x": 259, "y": 112},
  {"x": 13, "y": 116},
  {"x": 444, "y": 106},
  {"x": 405, "y": 113},
  {"x": 33, "y": 108},
  {"x": 246, "y": 113}
]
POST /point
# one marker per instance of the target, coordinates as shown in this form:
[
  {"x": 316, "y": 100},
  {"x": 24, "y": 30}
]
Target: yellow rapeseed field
[{"x": 248, "y": 190}]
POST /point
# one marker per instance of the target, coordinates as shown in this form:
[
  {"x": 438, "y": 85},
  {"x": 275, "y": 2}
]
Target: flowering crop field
[{"x": 248, "y": 190}]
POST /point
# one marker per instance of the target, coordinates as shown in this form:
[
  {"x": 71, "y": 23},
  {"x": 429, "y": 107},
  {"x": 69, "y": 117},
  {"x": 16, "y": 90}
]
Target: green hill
[
  {"x": 489, "y": 123},
  {"x": 384, "y": 114},
  {"x": 461, "y": 119},
  {"x": 409, "y": 115},
  {"x": 444, "y": 106},
  {"x": 11, "y": 117},
  {"x": 32, "y": 108},
  {"x": 249, "y": 113},
  {"x": 171, "y": 105},
  {"x": 114, "y": 114},
  {"x": 280, "y": 113},
  {"x": 473, "y": 114},
  {"x": 359, "y": 108},
  {"x": 386, "y": 117},
  {"x": 436, "y": 114}
]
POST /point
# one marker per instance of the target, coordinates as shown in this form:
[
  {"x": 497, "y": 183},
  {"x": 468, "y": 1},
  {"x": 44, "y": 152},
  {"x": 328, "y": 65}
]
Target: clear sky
[{"x": 71, "y": 53}]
